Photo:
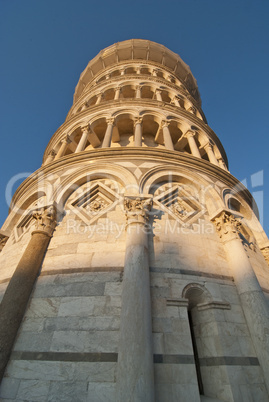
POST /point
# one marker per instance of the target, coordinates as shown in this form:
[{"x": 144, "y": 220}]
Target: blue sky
[{"x": 46, "y": 44}]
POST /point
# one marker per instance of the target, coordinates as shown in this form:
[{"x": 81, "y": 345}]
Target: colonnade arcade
[
  {"x": 142, "y": 90},
  {"x": 146, "y": 129}
]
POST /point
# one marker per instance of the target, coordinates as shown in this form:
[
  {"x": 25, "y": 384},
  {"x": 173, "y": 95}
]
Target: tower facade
[{"x": 133, "y": 264}]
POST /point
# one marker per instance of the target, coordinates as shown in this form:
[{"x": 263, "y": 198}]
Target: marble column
[
  {"x": 135, "y": 379},
  {"x": 193, "y": 146},
  {"x": 138, "y": 91},
  {"x": 99, "y": 98},
  {"x": 17, "y": 294},
  {"x": 176, "y": 101},
  {"x": 252, "y": 298},
  {"x": 222, "y": 163},
  {"x": 50, "y": 157},
  {"x": 210, "y": 153},
  {"x": 158, "y": 93},
  {"x": 138, "y": 132},
  {"x": 167, "y": 136},
  {"x": 108, "y": 133},
  {"x": 117, "y": 93},
  {"x": 83, "y": 138},
  {"x": 64, "y": 144},
  {"x": 84, "y": 106}
]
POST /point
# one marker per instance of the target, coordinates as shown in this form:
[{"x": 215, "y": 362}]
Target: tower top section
[{"x": 138, "y": 49}]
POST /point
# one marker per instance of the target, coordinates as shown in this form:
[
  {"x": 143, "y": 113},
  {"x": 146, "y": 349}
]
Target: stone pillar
[
  {"x": 99, "y": 98},
  {"x": 167, "y": 136},
  {"x": 192, "y": 110},
  {"x": 154, "y": 72},
  {"x": 135, "y": 380},
  {"x": 251, "y": 295},
  {"x": 138, "y": 132},
  {"x": 138, "y": 70},
  {"x": 138, "y": 91},
  {"x": 159, "y": 95},
  {"x": 108, "y": 133},
  {"x": 122, "y": 71},
  {"x": 176, "y": 101},
  {"x": 17, "y": 294},
  {"x": 83, "y": 139},
  {"x": 193, "y": 146},
  {"x": 50, "y": 157},
  {"x": 84, "y": 106},
  {"x": 210, "y": 153},
  {"x": 117, "y": 93},
  {"x": 63, "y": 147},
  {"x": 222, "y": 163}
]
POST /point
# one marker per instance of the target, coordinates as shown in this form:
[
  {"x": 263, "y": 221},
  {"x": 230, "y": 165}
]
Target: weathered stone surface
[{"x": 104, "y": 294}]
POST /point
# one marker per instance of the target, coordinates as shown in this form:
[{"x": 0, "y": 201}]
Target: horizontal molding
[
  {"x": 65, "y": 356},
  {"x": 229, "y": 361},
  {"x": 113, "y": 358},
  {"x": 80, "y": 270},
  {"x": 173, "y": 359},
  {"x": 179, "y": 271}
]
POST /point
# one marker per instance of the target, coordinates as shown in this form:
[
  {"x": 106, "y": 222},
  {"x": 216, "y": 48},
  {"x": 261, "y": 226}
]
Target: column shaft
[
  {"x": 117, "y": 93},
  {"x": 108, "y": 135},
  {"x": 63, "y": 148},
  {"x": 159, "y": 95},
  {"x": 193, "y": 146},
  {"x": 138, "y": 133},
  {"x": 252, "y": 298},
  {"x": 211, "y": 156},
  {"x": 167, "y": 138},
  {"x": 138, "y": 92},
  {"x": 135, "y": 380},
  {"x": 83, "y": 140},
  {"x": 17, "y": 294}
]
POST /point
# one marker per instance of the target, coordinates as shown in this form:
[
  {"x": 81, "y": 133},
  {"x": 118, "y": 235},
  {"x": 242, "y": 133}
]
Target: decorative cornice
[{"x": 159, "y": 155}]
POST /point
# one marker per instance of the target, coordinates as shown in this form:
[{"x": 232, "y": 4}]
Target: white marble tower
[{"x": 133, "y": 266}]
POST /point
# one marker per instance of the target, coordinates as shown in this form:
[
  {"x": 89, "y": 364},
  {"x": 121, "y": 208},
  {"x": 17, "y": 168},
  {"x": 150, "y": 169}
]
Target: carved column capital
[
  {"x": 227, "y": 226},
  {"x": 165, "y": 123},
  {"x": 138, "y": 120},
  {"x": 208, "y": 146},
  {"x": 3, "y": 240},
  {"x": 192, "y": 109},
  {"x": 189, "y": 134},
  {"x": 66, "y": 139},
  {"x": 85, "y": 128},
  {"x": 137, "y": 209},
  {"x": 52, "y": 153},
  {"x": 110, "y": 120},
  {"x": 45, "y": 220},
  {"x": 265, "y": 252}
]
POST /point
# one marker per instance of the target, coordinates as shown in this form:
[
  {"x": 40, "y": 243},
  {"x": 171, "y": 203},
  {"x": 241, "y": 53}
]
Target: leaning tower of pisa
[{"x": 133, "y": 266}]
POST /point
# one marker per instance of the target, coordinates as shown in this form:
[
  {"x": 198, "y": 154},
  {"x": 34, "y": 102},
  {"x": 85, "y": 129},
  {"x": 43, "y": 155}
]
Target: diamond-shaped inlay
[
  {"x": 95, "y": 200},
  {"x": 179, "y": 203}
]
